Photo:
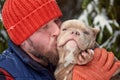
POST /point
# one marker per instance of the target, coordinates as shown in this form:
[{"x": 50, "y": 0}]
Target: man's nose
[{"x": 56, "y": 30}]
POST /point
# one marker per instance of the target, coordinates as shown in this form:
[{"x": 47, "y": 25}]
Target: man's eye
[
  {"x": 46, "y": 27},
  {"x": 43, "y": 28},
  {"x": 58, "y": 22}
]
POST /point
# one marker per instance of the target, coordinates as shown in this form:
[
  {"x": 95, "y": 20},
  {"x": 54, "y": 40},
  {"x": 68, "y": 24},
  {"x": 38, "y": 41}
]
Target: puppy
[{"x": 74, "y": 39}]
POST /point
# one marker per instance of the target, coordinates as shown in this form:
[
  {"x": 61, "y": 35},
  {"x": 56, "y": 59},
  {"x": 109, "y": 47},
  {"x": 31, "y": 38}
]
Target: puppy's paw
[{"x": 85, "y": 57}]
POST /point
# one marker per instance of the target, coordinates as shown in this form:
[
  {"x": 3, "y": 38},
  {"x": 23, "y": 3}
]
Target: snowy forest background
[{"x": 104, "y": 14}]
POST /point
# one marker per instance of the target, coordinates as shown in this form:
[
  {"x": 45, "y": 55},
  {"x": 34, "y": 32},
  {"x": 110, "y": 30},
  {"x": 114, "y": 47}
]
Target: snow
[
  {"x": 101, "y": 21},
  {"x": 111, "y": 2},
  {"x": 111, "y": 40},
  {"x": 2, "y": 31}
]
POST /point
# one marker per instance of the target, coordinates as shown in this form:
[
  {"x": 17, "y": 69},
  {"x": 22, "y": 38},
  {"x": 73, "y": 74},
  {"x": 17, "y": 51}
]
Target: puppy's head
[{"x": 75, "y": 36}]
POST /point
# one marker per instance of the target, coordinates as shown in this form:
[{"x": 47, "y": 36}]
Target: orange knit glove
[{"x": 102, "y": 67}]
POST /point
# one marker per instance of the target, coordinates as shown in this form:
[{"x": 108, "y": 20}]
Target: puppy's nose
[{"x": 75, "y": 33}]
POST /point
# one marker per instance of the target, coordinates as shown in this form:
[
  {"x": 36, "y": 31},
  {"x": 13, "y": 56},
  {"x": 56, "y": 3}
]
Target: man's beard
[{"x": 48, "y": 57}]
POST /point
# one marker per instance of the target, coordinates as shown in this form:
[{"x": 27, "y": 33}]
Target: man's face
[{"x": 43, "y": 43}]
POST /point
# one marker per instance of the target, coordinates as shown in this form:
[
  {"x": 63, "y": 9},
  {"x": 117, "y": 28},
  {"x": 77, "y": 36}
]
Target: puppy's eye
[
  {"x": 64, "y": 29},
  {"x": 86, "y": 32}
]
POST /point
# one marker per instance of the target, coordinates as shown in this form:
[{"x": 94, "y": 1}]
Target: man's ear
[{"x": 26, "y": 46}]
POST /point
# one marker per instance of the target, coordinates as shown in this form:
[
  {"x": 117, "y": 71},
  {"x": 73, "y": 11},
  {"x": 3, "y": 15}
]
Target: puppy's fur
[{"x": 74, "y": 38}]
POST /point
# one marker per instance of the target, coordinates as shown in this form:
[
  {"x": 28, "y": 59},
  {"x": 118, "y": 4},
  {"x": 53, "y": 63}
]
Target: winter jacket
[{"x": 15, "y": 64}]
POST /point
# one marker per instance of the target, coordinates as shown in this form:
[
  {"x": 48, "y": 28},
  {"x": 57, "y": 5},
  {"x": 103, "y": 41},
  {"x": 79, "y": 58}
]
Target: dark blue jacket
[{"x": 21, "y": 67}]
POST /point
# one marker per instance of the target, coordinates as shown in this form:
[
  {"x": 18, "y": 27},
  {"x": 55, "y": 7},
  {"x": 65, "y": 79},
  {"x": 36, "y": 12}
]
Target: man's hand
[{"x": 102, "y": 67}]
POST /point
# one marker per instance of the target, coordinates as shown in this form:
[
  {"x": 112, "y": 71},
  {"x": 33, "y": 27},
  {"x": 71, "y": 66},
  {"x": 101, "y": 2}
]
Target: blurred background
[{"x": 104, "y": 14}]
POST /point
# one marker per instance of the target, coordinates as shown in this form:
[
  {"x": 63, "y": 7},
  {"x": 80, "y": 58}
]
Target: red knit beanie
[{"x": 22, "y": 18}]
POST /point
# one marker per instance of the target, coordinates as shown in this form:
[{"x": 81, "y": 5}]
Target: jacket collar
[{"x": 27, "y": 59}]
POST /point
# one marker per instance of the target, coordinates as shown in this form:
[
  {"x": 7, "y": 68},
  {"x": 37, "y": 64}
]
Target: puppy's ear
[{"x": 95, "y": 31}]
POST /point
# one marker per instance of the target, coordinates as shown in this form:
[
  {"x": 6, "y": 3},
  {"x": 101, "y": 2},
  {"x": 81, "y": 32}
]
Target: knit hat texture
[{"x": 22, "y": 18}]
